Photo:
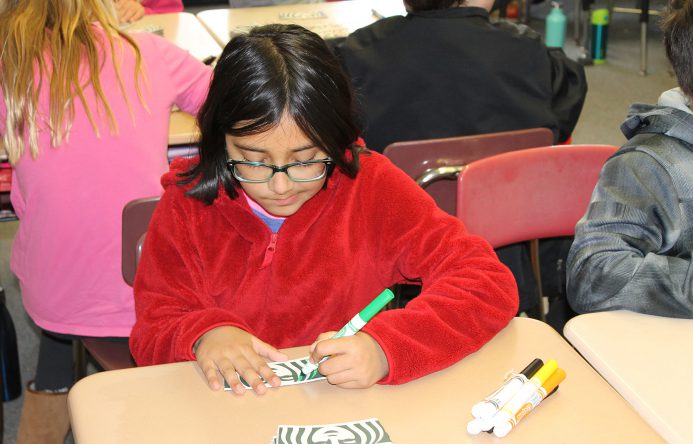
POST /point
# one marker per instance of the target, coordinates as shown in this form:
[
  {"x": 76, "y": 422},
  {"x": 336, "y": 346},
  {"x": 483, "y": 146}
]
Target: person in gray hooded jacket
[{"x": 633, "y": 247}]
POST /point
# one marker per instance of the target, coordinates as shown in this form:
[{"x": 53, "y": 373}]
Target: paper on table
[
  {"x": 387, "y": 8},
  {"x": 365, "y": 431},
  {"x": 152, "y": 29},
  {"x": 288, "y": 372}
]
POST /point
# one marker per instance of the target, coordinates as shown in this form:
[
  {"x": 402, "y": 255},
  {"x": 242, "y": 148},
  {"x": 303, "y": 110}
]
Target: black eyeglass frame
[{"x": 231, "y": 164}]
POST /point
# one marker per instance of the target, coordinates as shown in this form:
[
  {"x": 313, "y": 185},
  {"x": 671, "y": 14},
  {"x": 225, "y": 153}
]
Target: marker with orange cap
[
  {"x": 484, "y": 410},
  {"x": 495, "y": 401},
  {"x": 551, "y": 384},
  {"x": 478, "y": 425},
  {"x": 526, "y": 392}
]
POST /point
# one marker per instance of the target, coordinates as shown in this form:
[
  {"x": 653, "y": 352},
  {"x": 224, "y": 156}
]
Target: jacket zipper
[{"x": 269, "y": 251}]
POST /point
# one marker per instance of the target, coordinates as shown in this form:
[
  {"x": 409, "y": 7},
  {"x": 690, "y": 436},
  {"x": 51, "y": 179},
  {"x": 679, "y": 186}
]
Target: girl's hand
[
  {"x": 129, "y": 10},
  {"x": 228, "y": 350},
  {"x": 355, "y": 361}
]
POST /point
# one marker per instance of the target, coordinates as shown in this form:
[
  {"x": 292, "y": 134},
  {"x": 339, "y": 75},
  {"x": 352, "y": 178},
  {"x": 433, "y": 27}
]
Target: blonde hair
[{"x": 69, "y": 37}]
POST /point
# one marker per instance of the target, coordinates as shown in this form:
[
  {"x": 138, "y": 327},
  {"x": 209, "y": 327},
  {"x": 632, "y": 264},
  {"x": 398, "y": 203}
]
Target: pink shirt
[
  {"x": 67, "y": 252},
  {"x": 162, "y": 6}
]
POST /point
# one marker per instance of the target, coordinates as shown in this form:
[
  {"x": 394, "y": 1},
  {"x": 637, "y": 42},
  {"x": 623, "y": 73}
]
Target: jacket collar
[
  {"x": 239, "y": 214},
  {"x": 654, "y": 119},
  {"x": 462, "y": 12}
]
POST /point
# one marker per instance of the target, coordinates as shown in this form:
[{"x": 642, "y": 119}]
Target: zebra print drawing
[
  {"x": 288, "y": 373},
  {"x": 366, "y": 431}
]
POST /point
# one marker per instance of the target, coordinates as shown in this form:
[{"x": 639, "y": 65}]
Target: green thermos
[{"x": 600, "y": 29}]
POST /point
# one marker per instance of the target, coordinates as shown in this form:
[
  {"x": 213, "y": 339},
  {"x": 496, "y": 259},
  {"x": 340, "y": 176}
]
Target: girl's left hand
[
  {"x": 355, "y": 361},
  {"x": 129, "y": 10}
]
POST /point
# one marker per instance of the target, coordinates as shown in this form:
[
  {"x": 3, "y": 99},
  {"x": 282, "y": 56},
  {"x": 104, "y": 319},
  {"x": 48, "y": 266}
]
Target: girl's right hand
[{"x": 228, "y": 350}]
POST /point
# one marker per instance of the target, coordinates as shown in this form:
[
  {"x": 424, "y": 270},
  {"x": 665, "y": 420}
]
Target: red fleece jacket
[{"x": 208, "y": 266}]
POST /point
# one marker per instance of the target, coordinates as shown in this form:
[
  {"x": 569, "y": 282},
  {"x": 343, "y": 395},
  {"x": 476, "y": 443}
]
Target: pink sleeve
[
  {"x": 162, "y": 6},
  {"x": 190, "y": 77}
]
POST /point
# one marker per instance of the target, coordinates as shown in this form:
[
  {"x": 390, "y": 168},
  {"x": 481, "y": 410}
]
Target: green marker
[{"x": 355, "y": 324}]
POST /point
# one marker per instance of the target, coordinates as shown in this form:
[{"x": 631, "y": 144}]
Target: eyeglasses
[{"x": 258, "y": 172}]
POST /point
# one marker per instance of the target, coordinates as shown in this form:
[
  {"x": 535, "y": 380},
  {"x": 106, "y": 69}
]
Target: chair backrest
[
  {"x": 529, "y": 194},
  {"x": 420, "y": 159},
  {"x": 136, "y": 216}
]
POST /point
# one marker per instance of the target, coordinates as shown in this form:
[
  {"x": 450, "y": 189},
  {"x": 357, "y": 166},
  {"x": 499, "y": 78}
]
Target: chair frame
[
  {"x": 435, "y": 163},
  {"x": 108, "y": 354}
]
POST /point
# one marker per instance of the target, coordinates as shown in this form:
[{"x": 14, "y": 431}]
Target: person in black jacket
[{"x": 445, "y": 70}]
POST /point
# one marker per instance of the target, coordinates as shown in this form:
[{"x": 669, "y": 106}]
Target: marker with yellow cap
[
  {"x": 500, "y": 430},
  {"x": 510, "y": 409},
  {"x": 495, "y": 401}
]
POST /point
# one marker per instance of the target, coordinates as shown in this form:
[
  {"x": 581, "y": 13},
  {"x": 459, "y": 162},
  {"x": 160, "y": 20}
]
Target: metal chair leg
[
  {"x": 643, "y": 48},
  {"x": 536, "y": 269},
  {"x": 80, "y": 359}
]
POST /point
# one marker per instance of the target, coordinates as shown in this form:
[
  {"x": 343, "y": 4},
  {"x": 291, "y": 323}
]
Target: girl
[
  {"x": 285, "y": 227},
  {"x": 84, "y": 113}
]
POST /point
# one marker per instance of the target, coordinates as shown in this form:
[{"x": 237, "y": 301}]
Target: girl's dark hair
[
  {"x": 426, "y": 5},
  {"x": 260, "y": 76},
  {"x": 677, "y": 24}
]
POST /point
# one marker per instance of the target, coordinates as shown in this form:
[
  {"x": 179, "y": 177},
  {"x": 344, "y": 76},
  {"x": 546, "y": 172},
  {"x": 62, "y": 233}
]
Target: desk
[
  {"x": 182, "y": 29},
  {"x": 172, "y": 404},
  {"x": 185, "y": 31},
  {"x": 182, "y": 129},
  {"x": 329, "y": 20},
  {"x": 647, "y": 359}
]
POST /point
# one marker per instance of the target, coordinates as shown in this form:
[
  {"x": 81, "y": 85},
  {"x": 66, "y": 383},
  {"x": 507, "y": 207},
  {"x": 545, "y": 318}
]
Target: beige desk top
[
  {"x": 329, "y": 20},
  {"x": 647, "y": 359},
  {"x": 182, "y": 129},
  {"x": 184, "y": 30},
  {"x": 172, "y": 404}
]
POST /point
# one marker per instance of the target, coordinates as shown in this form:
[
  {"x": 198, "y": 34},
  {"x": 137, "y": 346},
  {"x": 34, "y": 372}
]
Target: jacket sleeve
[
  {"x": 619, "y": 258},
  {"x": 569, "y": 88},
  {"x": 467, "y": 294},
  {"x": 172, "y": 305}
]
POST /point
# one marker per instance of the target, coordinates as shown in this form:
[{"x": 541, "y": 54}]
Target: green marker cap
[{"x": 378, "y": 303}]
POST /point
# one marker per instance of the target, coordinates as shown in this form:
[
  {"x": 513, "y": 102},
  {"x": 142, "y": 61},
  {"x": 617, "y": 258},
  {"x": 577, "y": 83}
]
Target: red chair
[
  {"x": 136, "y": 215},
  {"x": 529, "y": 194},
  {"x": 434, "y": 163}
]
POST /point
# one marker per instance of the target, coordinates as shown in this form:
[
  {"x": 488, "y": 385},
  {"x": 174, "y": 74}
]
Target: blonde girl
[{"x": 84, "y": 112}]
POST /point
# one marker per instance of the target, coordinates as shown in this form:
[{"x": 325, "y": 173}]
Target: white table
[
  {"x": 329, "y": 20},
  {"x": 647, "y": 359},
  {"x": 172, "y": 404},
  {"x": 181, "y": 28}
]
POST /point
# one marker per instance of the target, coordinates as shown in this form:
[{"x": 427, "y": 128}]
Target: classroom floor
[{"x": 612, "y": 88}]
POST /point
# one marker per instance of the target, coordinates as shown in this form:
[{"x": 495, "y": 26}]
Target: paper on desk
[
  {"x": 135, "y": 27},
  {"x": 288, "y": 372},
  {"x": 365, "y": 431},
  {"x": 387, "y": 8}
]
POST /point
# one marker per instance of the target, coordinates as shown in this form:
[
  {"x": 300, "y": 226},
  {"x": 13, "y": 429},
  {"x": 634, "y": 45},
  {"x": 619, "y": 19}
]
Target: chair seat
[{"x": 110, "y": 355}]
